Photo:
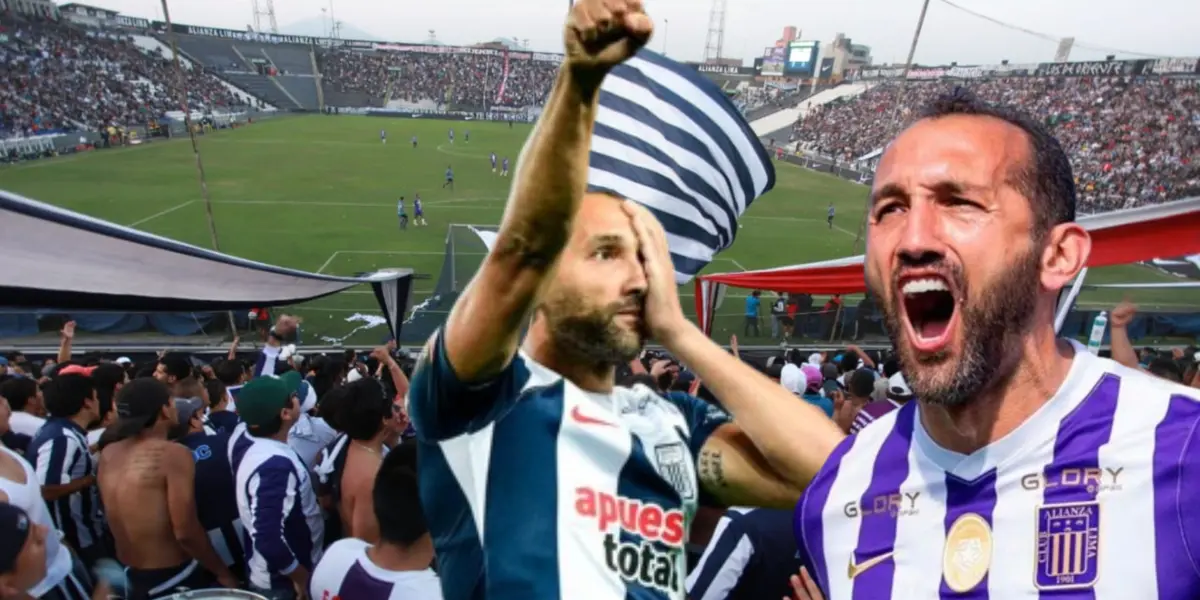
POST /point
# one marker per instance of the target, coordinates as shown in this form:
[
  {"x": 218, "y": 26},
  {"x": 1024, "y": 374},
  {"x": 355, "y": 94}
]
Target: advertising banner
[
  {"x": 1172, "y": 66},
  {"x": 730, "y": 70},
  {"x": 1093, "y": 68},
  {"x": 826, "y": 68}
]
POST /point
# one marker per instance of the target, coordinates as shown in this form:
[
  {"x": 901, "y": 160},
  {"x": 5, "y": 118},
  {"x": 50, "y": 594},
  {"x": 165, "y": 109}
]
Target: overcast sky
[{"x": 1154, "y": 27}]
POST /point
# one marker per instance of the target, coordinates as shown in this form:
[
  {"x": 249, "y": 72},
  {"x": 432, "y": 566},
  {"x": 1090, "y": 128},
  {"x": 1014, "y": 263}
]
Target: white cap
[
  {"x": 353, "y": 376},
  {"x": 287, "y": 352},
  {"x": 814, "y": 359},
  {"x": 898, "y": 387},
  {"x": 124, "y": 360},
  {"x": 309, "y": 399}
]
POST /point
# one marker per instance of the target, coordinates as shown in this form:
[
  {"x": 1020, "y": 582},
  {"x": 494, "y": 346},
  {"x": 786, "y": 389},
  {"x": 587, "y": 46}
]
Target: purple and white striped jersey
[
  {"x": 873, "y": 411},
  {"x": 347, "y": 573},
  {"x": 1089, "y": 498}
]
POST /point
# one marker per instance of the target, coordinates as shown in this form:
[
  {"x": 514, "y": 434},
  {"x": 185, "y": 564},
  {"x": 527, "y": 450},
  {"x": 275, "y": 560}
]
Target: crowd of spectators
[
  {"x": 349, "y": 433},
  {"x": 465, "y": 81},
  {"x": 1132, "y": 140},
  {"x": 57, "y": 76}
]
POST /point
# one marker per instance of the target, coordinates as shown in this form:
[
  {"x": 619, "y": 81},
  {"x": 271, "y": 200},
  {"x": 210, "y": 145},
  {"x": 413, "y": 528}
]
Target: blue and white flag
[{"x": 668, "y": 138}]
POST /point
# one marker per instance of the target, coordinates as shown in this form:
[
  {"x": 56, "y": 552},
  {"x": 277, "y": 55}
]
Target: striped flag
[{"x": 669, "y": 139}]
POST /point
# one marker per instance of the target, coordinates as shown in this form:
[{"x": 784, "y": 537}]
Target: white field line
[{"x": 160, "y": 213}]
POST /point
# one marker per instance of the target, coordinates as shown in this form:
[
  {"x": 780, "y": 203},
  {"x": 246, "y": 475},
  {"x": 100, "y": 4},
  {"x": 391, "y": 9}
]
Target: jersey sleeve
[
  {"x": 702, "y": 418},
  {"x": 54, "y": 459},
  {"x": 442, "y": 406},
  {"x": 723, "y": 563},
  {"x": 1188, "y": 482}
]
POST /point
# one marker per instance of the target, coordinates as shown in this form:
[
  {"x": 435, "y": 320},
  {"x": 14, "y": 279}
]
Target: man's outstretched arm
[{"x": 482, "y": 332}]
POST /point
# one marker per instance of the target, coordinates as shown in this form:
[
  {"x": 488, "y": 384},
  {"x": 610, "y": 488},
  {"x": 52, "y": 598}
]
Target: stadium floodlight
[{"x": 264, "y": 8}]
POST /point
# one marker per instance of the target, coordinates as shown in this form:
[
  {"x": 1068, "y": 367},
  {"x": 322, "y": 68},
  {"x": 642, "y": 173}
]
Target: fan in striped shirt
[
  {"x": 1027, "y": 466},
  {"x": 898, "y": 395}
]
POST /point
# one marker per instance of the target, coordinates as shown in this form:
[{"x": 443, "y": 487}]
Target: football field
[{"x": 318, "y": 193}]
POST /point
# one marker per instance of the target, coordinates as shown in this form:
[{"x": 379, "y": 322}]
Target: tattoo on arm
[{"x": 710, "y": 468}]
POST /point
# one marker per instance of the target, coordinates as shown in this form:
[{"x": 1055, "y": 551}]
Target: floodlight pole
[
  {"x": 912, "y": 51},
  {"x": 187, "y": 121}
]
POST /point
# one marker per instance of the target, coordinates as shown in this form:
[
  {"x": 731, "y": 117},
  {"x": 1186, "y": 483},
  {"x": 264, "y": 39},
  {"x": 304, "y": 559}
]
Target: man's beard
[
  {"x": 991, "y": 320},
  {"x": 590, "y": 334}
]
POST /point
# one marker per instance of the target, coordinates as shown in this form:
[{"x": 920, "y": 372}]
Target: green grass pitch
[{"x": 318, "y": 193}]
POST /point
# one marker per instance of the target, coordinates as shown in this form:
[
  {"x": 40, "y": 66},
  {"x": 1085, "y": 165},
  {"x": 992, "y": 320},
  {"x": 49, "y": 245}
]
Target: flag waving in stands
[{"x": 669, "y": 139}]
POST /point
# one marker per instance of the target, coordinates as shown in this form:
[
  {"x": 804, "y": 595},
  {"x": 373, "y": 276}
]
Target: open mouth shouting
[{"x": 929, "y": 306}]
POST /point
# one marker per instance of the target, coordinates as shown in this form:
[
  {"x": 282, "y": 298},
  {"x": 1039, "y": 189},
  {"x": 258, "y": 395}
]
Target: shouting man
[{"x": 1026, "y": 466}]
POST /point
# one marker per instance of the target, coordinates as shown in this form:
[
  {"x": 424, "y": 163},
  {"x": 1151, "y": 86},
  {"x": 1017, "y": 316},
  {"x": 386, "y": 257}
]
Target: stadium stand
[
  {"x": 58, "y": 77},
  {"x": 461, "y": 81},
  {"x": 1132, "y": 140}
]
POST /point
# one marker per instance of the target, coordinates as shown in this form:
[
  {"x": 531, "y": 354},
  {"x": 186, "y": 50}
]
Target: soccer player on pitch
[
  {"x": 400, "y": 214},
  {"x": 504, "y": 168},
  {"x": 418, "y": 212},
  {"x": 1027, "y": 466},
  {"x": 492, "y": 156},
  {"x": 540, "y": 478}
]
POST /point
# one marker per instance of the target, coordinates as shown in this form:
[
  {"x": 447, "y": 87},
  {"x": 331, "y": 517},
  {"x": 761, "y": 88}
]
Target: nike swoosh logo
[
  {"x": 579, "y": 417},
  {"x": 858, "y": 569}
]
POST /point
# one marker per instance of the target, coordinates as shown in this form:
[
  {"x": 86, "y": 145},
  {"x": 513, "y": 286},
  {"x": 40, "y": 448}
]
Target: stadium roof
[
  {"x": 59, "y": 259},
  {"x": 1119, "y": 237}
]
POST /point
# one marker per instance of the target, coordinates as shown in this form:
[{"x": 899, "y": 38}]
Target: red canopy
[{"x": 1119, "y": 237}]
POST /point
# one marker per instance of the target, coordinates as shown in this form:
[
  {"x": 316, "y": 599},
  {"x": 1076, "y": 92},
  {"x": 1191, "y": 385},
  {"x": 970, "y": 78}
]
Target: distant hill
[{"x": 318, "y": 27}]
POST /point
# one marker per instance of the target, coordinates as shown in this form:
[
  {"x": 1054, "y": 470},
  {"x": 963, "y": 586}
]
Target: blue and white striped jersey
[
  {"x": 265, "y": 363},
  {"x": 277, "y": 507},
  {"x": 750, "y": 557},
  {"x": 1089, "y": 498},
  {"x": 534, "y": 488},
  {"x": 59, "y": 453}
]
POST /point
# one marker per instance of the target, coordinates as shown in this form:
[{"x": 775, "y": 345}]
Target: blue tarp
[{"x": 26, "y": 324}]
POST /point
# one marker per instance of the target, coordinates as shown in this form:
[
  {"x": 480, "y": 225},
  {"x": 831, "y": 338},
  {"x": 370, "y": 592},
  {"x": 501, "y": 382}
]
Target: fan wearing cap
[
  {"x": 22, "y": 551},
  {"x": 216, "y": 503},
  {"x": 147, "y": 486},
  {"x": 275, "y": 497},
  {"x": 309, "y": 434},
  {"x": 812, "y": 389},
  {"x": 19, "y": 487}
]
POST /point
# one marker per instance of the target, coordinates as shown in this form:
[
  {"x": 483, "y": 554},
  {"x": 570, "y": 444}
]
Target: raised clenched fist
[{"x": 601, "y": 34}]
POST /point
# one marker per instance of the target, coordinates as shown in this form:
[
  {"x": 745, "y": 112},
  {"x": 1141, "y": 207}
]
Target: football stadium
[
  {"x": 307, "y": 144},
  {"x": 224, "y": 248}
]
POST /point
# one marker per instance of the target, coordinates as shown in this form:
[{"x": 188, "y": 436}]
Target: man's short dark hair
[
  {"x": 861, "y": 383},
  {"x": 19, "y": 390},
  {"x": 364, "y": 409},
  {"x": 1047, "y": 180},
  {"x": 1165, "y": 368},
  {"x": 849, "y": 362},
  {"x": 66, "y": 395},
  {"x": 397, "y": 501},
  {"x": 216, "y": 391},
  {"x": 229, "y": 372},
  {"x": 106, "y": 377},
  {"x": 176, "y": 365}
]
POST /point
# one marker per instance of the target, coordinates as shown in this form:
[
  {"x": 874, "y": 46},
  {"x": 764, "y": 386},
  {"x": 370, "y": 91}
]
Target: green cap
[
  {"x": 259, "y": 402},
  {"x": 292, "y": 380}
]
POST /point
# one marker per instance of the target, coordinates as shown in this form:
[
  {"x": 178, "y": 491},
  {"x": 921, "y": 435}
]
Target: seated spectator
[{"x": 398, "y": 567}]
